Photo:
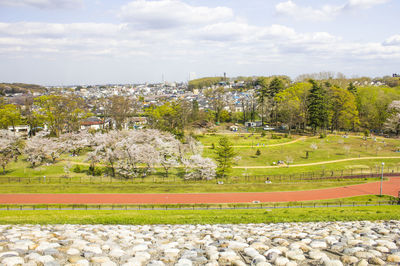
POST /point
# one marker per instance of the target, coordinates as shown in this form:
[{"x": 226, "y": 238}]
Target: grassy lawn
[
  {"x": 200, "y": 216},
  {"x": 211, "y": 187},
  {"x": 352, "y": 201},
  {"x": 239, "y": 139},
  {"x": 328, "y": 149}
]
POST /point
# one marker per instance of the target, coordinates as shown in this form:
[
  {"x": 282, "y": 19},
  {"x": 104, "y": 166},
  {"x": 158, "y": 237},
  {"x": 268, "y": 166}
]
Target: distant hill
[
  {"x": 12, "y": 88},
  {"x": 204, "y": 82}
]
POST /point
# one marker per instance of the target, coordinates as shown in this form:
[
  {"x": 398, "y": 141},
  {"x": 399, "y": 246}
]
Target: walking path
[
  {"x": 390, "y": 187},
  {"x": 323, "y": 162},
  {"x": 269, "y": 145}
]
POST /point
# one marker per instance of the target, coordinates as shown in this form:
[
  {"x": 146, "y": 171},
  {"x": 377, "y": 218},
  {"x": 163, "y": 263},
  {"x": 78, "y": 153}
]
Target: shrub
[
  {"x": 367, "y": 133},
  {"x": 263, "y": 134},
  {"x": 212, "y": 146},
  {"x": 322, "y": 135},
  {"x": 258, "y": 152},
  {"x": 77, "y": 169},
  {"x": 274, "y": 136}
]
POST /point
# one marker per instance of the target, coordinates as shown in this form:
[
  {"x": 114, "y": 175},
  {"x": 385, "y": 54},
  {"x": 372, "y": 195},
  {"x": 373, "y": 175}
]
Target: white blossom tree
[
  {"x": 36, "y": 149},
  {"x": 199, "y": 168},
  {"x": 76, "y": 142},
  {"x": 10, "y": 148}
]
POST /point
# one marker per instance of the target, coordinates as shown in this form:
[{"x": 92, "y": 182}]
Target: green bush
[
  {"x": 77, "y": 169},
  {"x": 274, "y": 136},
  {"x": 263, "y": 134},
  {"x": 367, "y": 133},
  {"x": 258, "y": 152},
  {"x": 322, "y": 135}
]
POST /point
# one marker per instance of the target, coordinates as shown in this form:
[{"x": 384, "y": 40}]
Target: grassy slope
[{"x": 201, "y": 216}]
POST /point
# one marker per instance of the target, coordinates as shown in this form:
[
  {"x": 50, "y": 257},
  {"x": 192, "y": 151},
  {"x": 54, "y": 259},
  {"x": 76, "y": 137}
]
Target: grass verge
[{"x": 201, "y": 216}]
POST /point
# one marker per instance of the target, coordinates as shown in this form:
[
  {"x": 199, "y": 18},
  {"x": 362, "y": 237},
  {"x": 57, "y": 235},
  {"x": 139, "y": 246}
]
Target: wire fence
[
  {"x": 241, "y": 206},
  {"x": 314, "y": 176}
]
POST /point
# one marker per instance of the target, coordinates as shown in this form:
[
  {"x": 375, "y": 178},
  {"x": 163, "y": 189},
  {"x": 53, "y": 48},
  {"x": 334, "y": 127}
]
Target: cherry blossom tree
[
  {"x": 76, "y": 142},
  {"x": 199, "y": 168},
  {"x": 9, "y": 148},
  {"x": 93, "y": 158},
  {"x": 36, "y": 149}
]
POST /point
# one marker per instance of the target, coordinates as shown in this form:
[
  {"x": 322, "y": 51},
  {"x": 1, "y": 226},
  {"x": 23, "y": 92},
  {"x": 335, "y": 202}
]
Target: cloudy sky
[{"x": 60, "y": 42}]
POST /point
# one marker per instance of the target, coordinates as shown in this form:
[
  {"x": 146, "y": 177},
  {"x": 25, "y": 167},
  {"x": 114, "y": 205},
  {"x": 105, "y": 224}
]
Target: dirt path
[
  {"x": 324, "y": 162},
  {"x": 390, "y": 187}
]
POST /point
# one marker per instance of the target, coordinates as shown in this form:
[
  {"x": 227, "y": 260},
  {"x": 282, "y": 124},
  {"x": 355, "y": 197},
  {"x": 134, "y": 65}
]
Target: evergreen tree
[
  {"x": 225, "y": 154},
  {"x": 351, "y": 88},
  {"x": 262, "y": 92},
  {"x": 275, "y": 86},
  {"x": 317, "y": 107}
]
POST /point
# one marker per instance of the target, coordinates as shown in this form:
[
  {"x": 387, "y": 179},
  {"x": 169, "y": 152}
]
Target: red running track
[{"x": 390, "y": 187}]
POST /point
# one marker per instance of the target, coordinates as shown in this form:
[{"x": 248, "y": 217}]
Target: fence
[
  {"x": 331, "y": 175},
  {"x": 199, "y": 206}
]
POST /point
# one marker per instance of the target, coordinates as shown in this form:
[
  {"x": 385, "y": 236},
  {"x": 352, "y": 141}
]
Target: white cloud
[
  {"x": 365, "y": 3},
  {"x": 291, "y": 9},
  {"x": 171, "y": 13},
  {"x": 207, "y": 40},
  {"x": 326, "y": 12},
  {"x": 392, "y": 41},
  {"x": 44, "y": 4}
]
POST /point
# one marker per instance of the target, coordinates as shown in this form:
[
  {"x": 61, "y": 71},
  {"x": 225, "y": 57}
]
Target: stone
[
  {"x": 259, "y": 246},
  {"x": 73, "y": 251},
  {"x": 117, "y": 253},
  {"x": 238, "y": 263},
  {"x": 346, "y": 259},
  {"x": 258, "y": 259},
  {"x": 263, "y": 263},
  {"x": 99, "y": 259},
  {"x": 93, "y": 249},
  {"x": 108, "y": 263},
  {"x": 376, "y": 261},
  {"x": 44, "y": 259},
  {"x": 317, "y": 255},
  {"x": 251, "y": 252},
  {"x": 11, "y": 261},
  {"x": 8, "y": 254},
  {"x": 295, "y": 255},
  {"x": 235, "y": 245},
  {"x": 393, "y": 258},
  {"x": 171, "y": 252},
  {"x": 333, "y": 263},
  {"x": 75, "y": 259},
  {"x": 184, "y": 262},
  {"x": 318, "y": 244},
  {"x": 382, "y": 249},
  {"x": 363, "y": 255},
  {"x": 362, "y": 262},
  {"x": 228, "y": 257},
  {"x": 83, "y": 262},
  {"x": 141, "y": 247},
  {"x": 281, "y": 261}
]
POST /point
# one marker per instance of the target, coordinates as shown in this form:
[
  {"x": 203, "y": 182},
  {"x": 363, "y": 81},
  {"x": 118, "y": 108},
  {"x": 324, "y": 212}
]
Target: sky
[{"x": 67, "y": 42}]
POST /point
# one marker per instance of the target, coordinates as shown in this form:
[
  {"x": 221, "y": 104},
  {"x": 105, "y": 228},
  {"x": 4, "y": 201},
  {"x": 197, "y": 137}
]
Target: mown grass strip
[{"x": 200, "y": 216}]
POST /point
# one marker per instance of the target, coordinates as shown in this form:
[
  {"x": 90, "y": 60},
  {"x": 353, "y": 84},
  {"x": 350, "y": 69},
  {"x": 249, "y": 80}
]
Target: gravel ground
[{"x": 323, "y": 243}]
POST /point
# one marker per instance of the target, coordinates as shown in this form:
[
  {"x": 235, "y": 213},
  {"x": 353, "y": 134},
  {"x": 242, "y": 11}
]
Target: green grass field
[
  {"x": 200, "y": 216},
  {"x": 20, "y": 178}
]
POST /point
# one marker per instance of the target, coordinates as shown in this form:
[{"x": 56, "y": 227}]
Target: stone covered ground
[{"x": 323, "y": 243}]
